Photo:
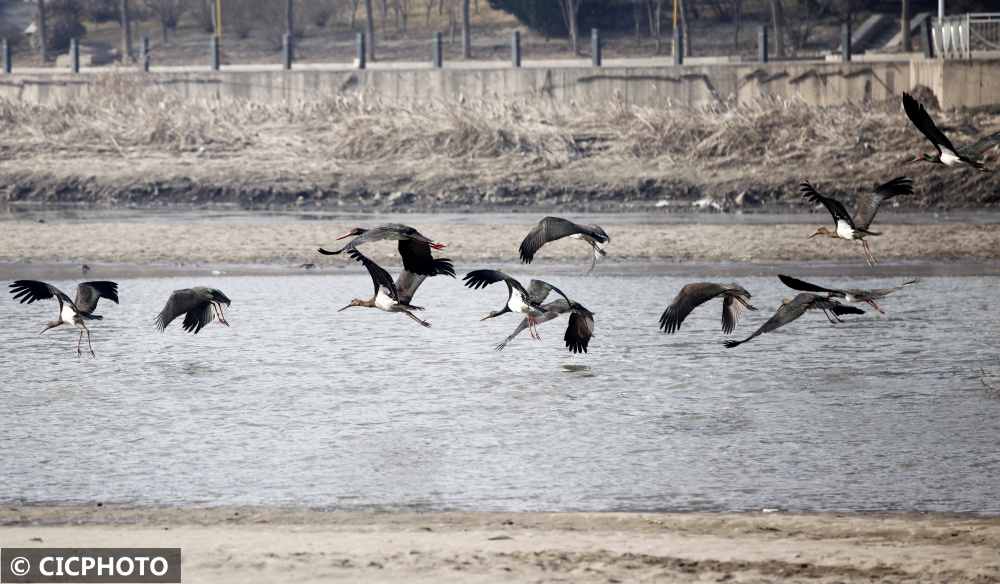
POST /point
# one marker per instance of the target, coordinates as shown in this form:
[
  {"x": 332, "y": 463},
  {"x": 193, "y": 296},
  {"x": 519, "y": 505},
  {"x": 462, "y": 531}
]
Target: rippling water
[{"x": 299, "y": 405}]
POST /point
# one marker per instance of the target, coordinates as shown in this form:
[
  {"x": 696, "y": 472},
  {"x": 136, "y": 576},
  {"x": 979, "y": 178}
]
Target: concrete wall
[{"x": 956, "y": 83}]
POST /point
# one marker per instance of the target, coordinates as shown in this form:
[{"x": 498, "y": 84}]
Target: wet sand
[
  {"x": 256, "y": 545},
  {"x": 293, "y": 243}
]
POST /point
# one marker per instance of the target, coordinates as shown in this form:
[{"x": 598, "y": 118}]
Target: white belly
[
  {"x": 516, "y": 304},
  {"x": 383, "y": 301},
  {"x": 948, "y": 157},
  {"x": 68, "y": 315},
  {"x": 844, "y": 230}
]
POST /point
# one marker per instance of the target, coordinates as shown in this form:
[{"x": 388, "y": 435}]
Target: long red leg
[
  {"x": 875, "y": 307},
  {"x": 218, "y": 312},
  {"x": 88, "y": 342}
]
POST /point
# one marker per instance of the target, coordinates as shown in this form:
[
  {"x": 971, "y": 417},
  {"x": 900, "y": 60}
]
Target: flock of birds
[{"x": 201, "y": 305}]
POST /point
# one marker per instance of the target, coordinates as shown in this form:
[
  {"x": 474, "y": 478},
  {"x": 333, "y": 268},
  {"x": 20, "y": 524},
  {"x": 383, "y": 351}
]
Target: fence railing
[{"x": 960, "y": 36}]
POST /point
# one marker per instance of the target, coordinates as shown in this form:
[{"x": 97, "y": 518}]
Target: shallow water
[{"x": 299, "y": 405}]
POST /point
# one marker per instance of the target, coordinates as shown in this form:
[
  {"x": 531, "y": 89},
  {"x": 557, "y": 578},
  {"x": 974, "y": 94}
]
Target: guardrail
[{"x": 960, "y": 36}]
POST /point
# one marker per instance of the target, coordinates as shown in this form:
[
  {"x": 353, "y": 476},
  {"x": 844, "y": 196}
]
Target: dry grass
[{"x": 127, "y": 112}]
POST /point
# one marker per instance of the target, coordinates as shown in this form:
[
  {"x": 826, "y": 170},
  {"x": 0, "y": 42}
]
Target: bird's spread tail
[
  {"x": 326, "y": 252},
  {"x": 88, "y": 316}
]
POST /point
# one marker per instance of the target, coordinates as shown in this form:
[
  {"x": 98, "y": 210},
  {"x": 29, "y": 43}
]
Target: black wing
[
  {"x": 832, "y": 205},
  {"x": 477, "y": 279},
  {"x": 548, "y": 229},
  {"x": 922, "y": 120},
  {"x": 32, "y": 290},
  {"x": 796, "y": 284},
  {"x": 88, "y": 293},
  {"x": 868, "y": 203},
  {"x": 976, "y": 150},
  {"x": 187, "y": 302},
  {"x": 690, "y": 297},
  {"x": 380, "y": 277},
  {"x": 579, "y": 330},
  {"x": 198, "y": 318},
  {"x": 408, "y": 282},
  {"x": 416, "y": 257}
]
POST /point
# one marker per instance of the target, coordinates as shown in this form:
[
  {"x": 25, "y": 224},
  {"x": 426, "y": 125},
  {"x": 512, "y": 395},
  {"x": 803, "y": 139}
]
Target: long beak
[
  {"x": 343, "y": 237},
  {"x": 813, "y": 235},
  {"x": 482, "y": 319},
  {"x": 917, "y": 159},
  {"x": 345, "y": 308}
]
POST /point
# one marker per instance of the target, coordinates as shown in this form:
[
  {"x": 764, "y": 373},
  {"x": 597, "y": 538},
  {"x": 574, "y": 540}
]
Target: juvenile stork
[
  {"x": 199, "y": 305},
  {"x": 578, "y": 332},
  {"x": 396, "y": 297},
  {"x": 73, "y": 312},
  {"x": 553, "y": 228},
  {"x": 852, "y": 295},
  {"x": 694, "y": 295},
  {"x": 521, "y": 301},
  {"x": 796, "y": 307},
  {"x": 413, "y": 247},
  {"x": 947, "y": 154},
  {"x": 856, "y": 228}
]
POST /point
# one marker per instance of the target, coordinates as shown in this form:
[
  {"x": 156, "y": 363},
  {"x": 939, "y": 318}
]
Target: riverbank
[{"x": 267, "y": 545}]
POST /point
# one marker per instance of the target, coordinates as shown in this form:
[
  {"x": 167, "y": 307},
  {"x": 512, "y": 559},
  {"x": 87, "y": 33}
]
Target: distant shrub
[{"x": 63, "y": 21}]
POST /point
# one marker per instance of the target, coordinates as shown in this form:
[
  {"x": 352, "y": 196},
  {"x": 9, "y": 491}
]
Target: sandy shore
[
  {"x": 296, "y": 242},
  {"x": 254, "y": 545}
]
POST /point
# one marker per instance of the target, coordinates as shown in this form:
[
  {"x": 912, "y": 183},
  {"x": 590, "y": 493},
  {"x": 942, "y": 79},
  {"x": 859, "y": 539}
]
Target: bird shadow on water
[{"x": 578, "y": 370}]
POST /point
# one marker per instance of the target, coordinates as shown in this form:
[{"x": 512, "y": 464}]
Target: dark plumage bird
[
  {"x": 851, "y": 295},
  {"x": 796, "y": 307},
  {"x": 856, "y": 228},
  {"x": 73, "y": 312},
  {"x": 553, "y": 228},
  {"x": 199, "y": 305},
  {"x": 413, "y": 247},
  {"x": 947, "y": 154},
  {"x": 692, "y": 296},
  {"x": 521, "y": 301},
  {"x": 578, "y": 332},
  {"x": 396, "y": 297}
]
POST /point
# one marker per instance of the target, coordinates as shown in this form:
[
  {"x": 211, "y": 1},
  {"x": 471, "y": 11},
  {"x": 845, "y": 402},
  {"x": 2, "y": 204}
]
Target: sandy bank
[
  {"x": 254, "y": 545},
  {"x": 296, "y": 243}
]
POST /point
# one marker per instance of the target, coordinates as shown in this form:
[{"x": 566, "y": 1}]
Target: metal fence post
[
  {"x": 215, "y": 53},
  {"x": 6, "y": 56},
  {"x": 437, "y": 50},
  {"x": 845, "y": 34},
  {"x": 144, "y": 53},
  {"x": 925, "y": 38},
  {"x": 74, "y": 56},
  {"x": 595, "y": 47},
  {"x": 762, "y": 44},
  {"x": 515, "y": 48},
  {"x": 286, "y": 51},
  {"x": 361, "y": 50},
  {"x": 678, "y": 46}
]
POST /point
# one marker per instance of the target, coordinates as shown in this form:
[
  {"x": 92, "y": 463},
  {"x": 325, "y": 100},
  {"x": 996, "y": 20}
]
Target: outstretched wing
[
  {"x": 832, "y": 205},
  {"x": 88, "y": 293},
  {"x": 184, "y": 302},
  {"x": 881, "y": 292},
  {"x": 796, "y": 284},
  {"x": 198, "y": 318},
  {"x": 922, "y": 120},
  {"x": 784, "y": 315},
  {"x": 976, "y": 150},
  {"x": 548, "y": 229},
  {"x": 380, "y": 277},
  {"x": 580, "y": 329},
  {"x": 408, "y": 282},
  {"x": 417, "y": 257},
  {"x": 553, "y": 309},
  {"x": 732, "y": 308},
  {"x": 477, "y": 279},
  {"x": 868, "y": 203},
  {"x": 32, "y": 290},
  {"x": 690, "y": 297}
]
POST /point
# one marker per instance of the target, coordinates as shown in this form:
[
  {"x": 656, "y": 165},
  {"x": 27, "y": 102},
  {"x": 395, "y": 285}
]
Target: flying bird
[
  {"x": 199, "y": 305},
  {"x": 553, "y": 228},
  {"x": 396, "y": 297},
  {"x": 851, "y": 295},
  {"x": 521, "y": 301},
  {"x": 856, "y": 228},
  {"x": 413, "y": 247},
  {"x": 578, "y": 332},
  {"x": 73, "y": 312},
  {"x": 796, "y": 307},
  {"x": 947, "y": 154},
  {"x": 692, "y": 296}
]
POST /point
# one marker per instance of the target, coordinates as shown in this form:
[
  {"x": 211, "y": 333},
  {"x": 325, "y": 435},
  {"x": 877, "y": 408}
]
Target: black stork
[
  {"x": 73, "y": 312},
  {"x": 553, "y": 228},
  {"x": 578, "y": 332},
  {"x": 796, "y": 307},
  {"x": 852, "y": 295},
  {"x": 396, "y": 297},
  {"x": 947, "y": 154},
  {"x": 856, "y": 228},
  {"x": 414, "y": 247},
  {"x": 199, "y": 305},
  {"x": 520, "y": 301},
  {"x": 692, "y": 296}
]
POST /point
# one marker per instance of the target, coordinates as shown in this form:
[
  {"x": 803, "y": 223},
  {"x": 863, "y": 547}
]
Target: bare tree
[
  {"x": 655, "y": 9},
  {"x": 569, "y": 10},
  {"x": 739, "y": 18},
  {"x": 778, "y": 15},
  {"x": 405, "y": 8},
  {"x": 685, "y": 33},
  {"x": 384, "y": 9},
  {"x": 168, "y": 12},
  {"x": 43, "y": 36},
  {"x": 637, "y": 15},
  {"x": 430, "y": 6},
  {"x": 466, "y": 31},
  {"x": 907, "y": 44},
  {"x": 126, "y": 34},
  {"x": 371, "y": 30}
]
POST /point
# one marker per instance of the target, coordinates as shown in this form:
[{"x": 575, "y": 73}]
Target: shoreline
[{"x": 244, "y": 544}]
